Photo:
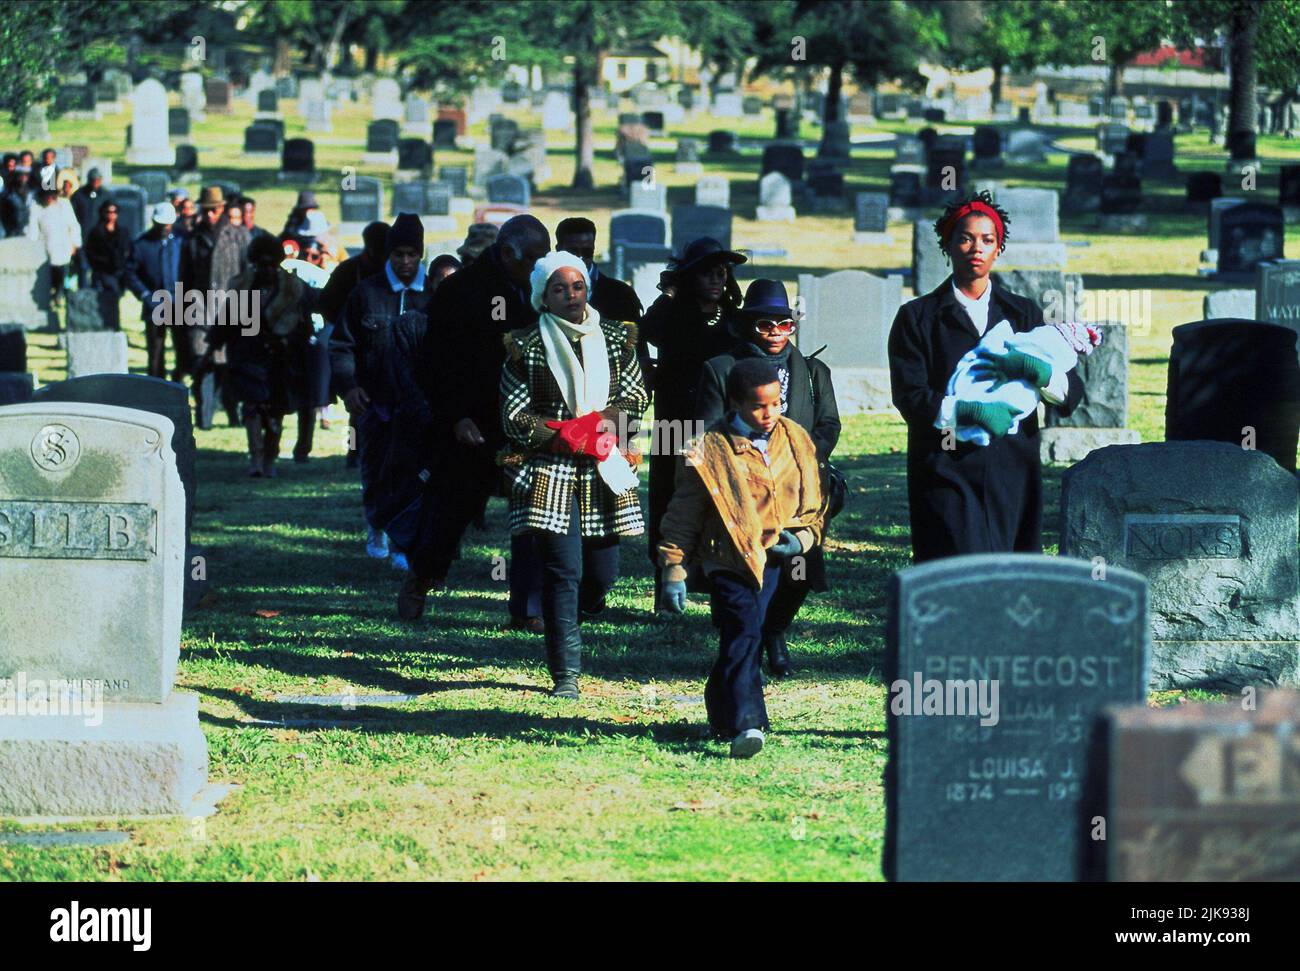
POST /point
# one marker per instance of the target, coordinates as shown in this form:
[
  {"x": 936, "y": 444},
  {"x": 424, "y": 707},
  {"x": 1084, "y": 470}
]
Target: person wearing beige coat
[{"x": 748, "y": 497}]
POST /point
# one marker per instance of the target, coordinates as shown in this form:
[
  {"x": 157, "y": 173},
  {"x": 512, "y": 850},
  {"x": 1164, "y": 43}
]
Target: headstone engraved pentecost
[
  {"x": 998, "y": 668},
  {"x": 90, "y": 500}
]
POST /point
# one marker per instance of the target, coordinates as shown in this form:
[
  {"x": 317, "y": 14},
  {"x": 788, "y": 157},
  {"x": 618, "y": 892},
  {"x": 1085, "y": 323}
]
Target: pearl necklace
[{"x": 717, "y": 316}]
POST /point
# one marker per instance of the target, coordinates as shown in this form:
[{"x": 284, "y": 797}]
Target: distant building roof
[{"x": 643, "y": 50}]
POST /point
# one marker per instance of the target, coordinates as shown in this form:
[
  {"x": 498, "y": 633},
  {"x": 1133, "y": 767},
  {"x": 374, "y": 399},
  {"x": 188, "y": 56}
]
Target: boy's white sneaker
[{"x": 747, "y": 744}]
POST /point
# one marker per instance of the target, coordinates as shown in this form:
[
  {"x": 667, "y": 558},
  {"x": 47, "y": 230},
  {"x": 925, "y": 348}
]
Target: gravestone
[
  {"x": 826, "y": 184},
  {"x": 909, "y": 150},
  {"x": 25, "y": 284},
  {"x": 15, "y": 387},
  {"x": 1204, "y": 792},
  {"x": 654, "y": 121},
  {"x": 1005, "y": 797},
  {"x": 92, "y": 310},
  {"x": 386, "y": 100},
  {"x": 1158, "y": 155},
  {"x": 193, "y": 96},
  {"x": 642, "y": 196},
  {"x": 1202, "y": 189},
  {"x": 456, "y": 176},
  {"x": 690, "y": 223},
  {"x": 503, "y": 133},
  {"x": 381, "y": 142},
  {"x": 786, "y": 159},
  {"x": 851, "y": 312},
  {"x": 722, "y": 143},
  {"x": 415, "y": 116},
  {"x": 77, "y": 103},
  {"x": 444, "y": 133},
  {"x": 1112, "y": 139},
  {"x": 261, "y": 140},
  {"x": 556, "y": 115},
  {"x": 687, "y": 159},
  {"x": 414, "y": 156},
  {"x": 929, "y": 268},
  {"x": 775, "y": 200},
  {"x": 1235, "y": 381},
  {"x": 1034, "y": 238},
  {"x": 1083, "y": 182},
  {"x": 871, "y": 219},
  {"x": 988, "y": 148},
  {"x": 945, "y": 175},
  {"x": 268, "y": 102},
  {"x": 122, "y": 535},
  {"x": 1288, "y": 191},
  {"x": 906, "y": 195},
  {"x": 637, "y": 170},
  {"x": 35, "y": 126},
  {"x": 1121, "y": 197},
  {"x": 154, "y": 185},
  {"x": 96, "y": 352},
  {"x": 361, "y": 205},
  {"x": 787, "y": 124},
  {"x": 217, "y": 92},
  {"x": 178, "y": 123},
  {"x": 637, "y": 238},
  {"x": 726, "y": 104},
  {"x": 713, "y": 190},
  {"x": 298, "y": 159},
  {"x": 454, "y": 115},
  {"x": 1101, "y": 415},
  {"x": 487, "y": 163},
  {"x": 13, "y": 348},
  {"x": 510, "y": 189},
  {"x": 1249, "y": 234},
  {"x": 316, "y": 113},
  {"x": 1229, "y": 305},
  {"x": 1213, "y": 527},
  {"x": 1277, "y": 291},
  {"x": 149, "y": 144},
  {"x": 1026, "y": 146},
  {"x": 132, "y": 201}
]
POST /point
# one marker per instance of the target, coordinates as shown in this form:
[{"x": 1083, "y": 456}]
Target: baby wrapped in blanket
[{"x": 977, "y": 381}]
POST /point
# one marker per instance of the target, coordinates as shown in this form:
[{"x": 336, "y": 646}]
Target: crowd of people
[{"x": 517, "y": 369}]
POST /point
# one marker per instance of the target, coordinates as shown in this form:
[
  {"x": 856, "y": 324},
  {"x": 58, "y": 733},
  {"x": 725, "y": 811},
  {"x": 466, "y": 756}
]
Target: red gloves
[{"x": 581, "y": 436}]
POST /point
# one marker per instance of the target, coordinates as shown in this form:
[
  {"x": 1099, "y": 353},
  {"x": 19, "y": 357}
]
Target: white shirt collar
[
  {"x": 968, "y": 303},
  {"x": 398, "y": 286}
]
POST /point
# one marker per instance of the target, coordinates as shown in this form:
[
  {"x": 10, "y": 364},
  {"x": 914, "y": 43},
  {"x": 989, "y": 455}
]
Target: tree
[
  {"x": 1092, "y": 31},
  {"x": 1001, "y": 34},
  {"x": 476, "y": 41},
  {"x": 1238, "y": 22},
  {"x": 724, "y": 32},
  {"x": 317, "y": 27}
]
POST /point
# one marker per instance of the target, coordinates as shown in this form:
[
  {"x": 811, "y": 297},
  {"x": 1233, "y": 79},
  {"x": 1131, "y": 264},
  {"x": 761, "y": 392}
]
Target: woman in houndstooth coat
[{"x": 570, "y": 387}]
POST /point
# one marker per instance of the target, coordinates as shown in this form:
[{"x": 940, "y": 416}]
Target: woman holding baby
[{"x": 958, "y": 358}]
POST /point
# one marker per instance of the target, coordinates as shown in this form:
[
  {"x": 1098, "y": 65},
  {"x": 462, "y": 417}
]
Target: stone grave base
[
  {"x": 873, "y": 239},
  {"x": 1066, "y": 446},
  {"x": 904, "y": 214},
  {"x": 141, "y": 759},
  {"x": 306, "y": 178},
  {"x": 462, "y": 207},
  {"x": 1033, "y": 254},
  {"x": 84, "y": 116},
  {"x": 1239, "y": 166},
  {"x": 165, "y": 157},
  {"x": 775, "y": 214},
  {"x": 1223, "y": 665},
  {"x": 268, "y": 116},
  {"x": 690, "y": 168},
  {"x": 320, "y": 126},
  {"x": 1121, "y": 221},
  {"x": 861, "y": 389},
  {"x": 388, "y": 159},
  {"x": 260, "y": 156}
]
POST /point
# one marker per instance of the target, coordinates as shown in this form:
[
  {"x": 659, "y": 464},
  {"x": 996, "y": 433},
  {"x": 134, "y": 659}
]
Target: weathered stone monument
[
  {"x": 998, "y": 668},
  {"x": 1099, "y": 419},
  {"x": 851, "y": 312},
  {"x": 90, "y": 500},
  {"x": 96, "y": 352},
  {"x": 1213, "y": 527},
  {"x": 24, "y": 284},
  {"x": 149, "y": 144}
]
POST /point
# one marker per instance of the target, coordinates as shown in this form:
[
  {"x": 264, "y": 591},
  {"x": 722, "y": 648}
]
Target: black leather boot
[
  {"x": 778, "y": 657},
  {"x": 256, "y": 445},
  {"x": 564, "y": 658}
]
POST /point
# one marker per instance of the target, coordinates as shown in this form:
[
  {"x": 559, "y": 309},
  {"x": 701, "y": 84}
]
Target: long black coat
[
  {"x": 970, "y": 498},
  {"x": 362, "y": 349},
  {"x": 615, "y": 300}
]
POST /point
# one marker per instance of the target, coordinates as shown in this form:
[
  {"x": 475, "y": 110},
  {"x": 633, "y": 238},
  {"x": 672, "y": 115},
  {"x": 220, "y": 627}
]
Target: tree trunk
[
  {"x": 335, "y": 42},
  {"x": 995, "y": 91},
  {"x": 1115, "y": 83},
  {"x": 372, "y": 59},
  {"x": 834, "y": 86},
  {"x": 1243, "y": 74},
  {"x": 584, "y": 153}
]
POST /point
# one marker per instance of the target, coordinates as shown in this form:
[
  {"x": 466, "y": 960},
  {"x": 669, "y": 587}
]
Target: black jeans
[
  {"x": 574, "y": 570},
  {"x": 733, "y": 695}
]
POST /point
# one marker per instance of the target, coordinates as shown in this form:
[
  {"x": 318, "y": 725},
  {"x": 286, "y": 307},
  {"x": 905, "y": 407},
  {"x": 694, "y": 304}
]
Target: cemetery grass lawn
[{"x": 483, "y": 776}]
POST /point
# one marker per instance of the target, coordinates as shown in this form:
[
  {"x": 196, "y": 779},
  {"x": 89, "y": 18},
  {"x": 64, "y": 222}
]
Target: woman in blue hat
[
  {"x": 764, "y": 327},
  {"x": 687, "y": 325}
]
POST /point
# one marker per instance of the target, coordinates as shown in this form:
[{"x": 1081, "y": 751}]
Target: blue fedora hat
[{"x": 767, "y": 298}]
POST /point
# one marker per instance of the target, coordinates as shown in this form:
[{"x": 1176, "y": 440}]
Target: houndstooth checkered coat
[{"x": 541, "y": 483}]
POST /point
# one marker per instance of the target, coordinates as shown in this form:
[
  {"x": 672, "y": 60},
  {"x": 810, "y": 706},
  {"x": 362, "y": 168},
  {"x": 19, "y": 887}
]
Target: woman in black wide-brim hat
[
  {"x": 765, "y": 325},
  {"x": 687, "y": 325}
]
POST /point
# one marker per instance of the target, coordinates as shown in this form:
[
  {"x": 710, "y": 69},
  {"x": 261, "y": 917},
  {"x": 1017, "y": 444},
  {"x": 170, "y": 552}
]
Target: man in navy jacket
[{"x": 152, "y": 269}]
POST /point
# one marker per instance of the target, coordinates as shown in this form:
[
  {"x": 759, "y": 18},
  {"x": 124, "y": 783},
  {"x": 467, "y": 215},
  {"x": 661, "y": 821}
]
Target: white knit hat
[{"x": 546, "y": 267}]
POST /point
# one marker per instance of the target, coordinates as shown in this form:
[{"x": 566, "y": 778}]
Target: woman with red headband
[{"x": 965, "y": 497}]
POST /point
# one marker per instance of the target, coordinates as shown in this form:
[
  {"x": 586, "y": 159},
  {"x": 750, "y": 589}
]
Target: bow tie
[{"x": 741, "y": 427}]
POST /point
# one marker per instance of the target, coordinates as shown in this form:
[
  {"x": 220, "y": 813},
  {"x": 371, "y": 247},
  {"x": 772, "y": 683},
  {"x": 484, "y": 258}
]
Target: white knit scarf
[{"x": 584, "y": 384}]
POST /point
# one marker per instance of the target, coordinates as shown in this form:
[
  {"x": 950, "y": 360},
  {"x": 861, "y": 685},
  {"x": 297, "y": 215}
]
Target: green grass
[{"x": 485, "y": 777}]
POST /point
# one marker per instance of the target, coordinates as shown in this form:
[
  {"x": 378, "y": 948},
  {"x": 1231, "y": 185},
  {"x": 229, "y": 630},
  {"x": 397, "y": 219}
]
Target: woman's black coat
[{"x": 967, "y": 498}]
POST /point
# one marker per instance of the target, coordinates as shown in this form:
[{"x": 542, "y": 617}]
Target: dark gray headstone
[
  {"x": 654, "y": 120},
  {"x": 364, "y": 203},
  {"x": 1083, "y": 177},
  {"x": 15, "y": 387},
  {"x": 178, "y": 122},
  {"x": 382, "y": 136},
  {"x": 871, "y": 212},
  {"x": 695, "y": 222},
  {"x": 268, "y": 100},
  {"x": 444, "y": 133},
  {"x": 1203, "y": 186},
  {"x": 1010, "y": 800},
  {"x": 1213, "y": 527},
  {"x": 1229, "y": 375},
  {"x": 906, "y": 190},
  {"x": 422, "y": 198},
  {"x": 154, "y": 184},
  {"x": 187, "y": 159},
  {"x": 511, "y": 189},
  {"x": 1277, "y": 293},
  {"x": 786, "y": 159},
  {"x": 1104, "y": 373},
  {"x": 13, "y": 348},
  {"x": 988, "y": 145},
  {"x": 456, "y": 176},
  {"x": 1248, "y": 235},
  {"x": 92, "y": 309},
  {"x": 503, "y": 133},
  {"x": 1120, "y": 194},
  {"x": 722, "y": 142},
  {"x": 638, "y": 228},
  {"x": 414, "y": 154},
  {"x": 261, "y": 138},
  {"x": 299, "y": 156},
  {"x": 131, "y": 204},
  {"x": 945, "y": 165},
  {"x": 1288, "y": 185}
]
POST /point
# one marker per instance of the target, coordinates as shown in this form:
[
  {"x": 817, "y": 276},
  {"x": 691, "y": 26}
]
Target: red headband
[{"x": 965, "y": 210}]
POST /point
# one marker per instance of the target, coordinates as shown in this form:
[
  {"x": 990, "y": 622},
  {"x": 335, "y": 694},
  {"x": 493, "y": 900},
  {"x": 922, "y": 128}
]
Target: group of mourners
[{"x": 520, "y": 370}]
